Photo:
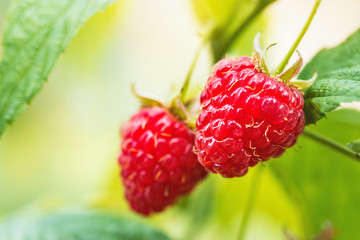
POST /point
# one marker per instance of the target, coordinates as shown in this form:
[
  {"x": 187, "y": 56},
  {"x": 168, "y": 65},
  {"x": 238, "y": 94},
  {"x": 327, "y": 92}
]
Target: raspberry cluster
[
  {"x": 157, "y": 160},
  {"x": 246, "y": 117}
]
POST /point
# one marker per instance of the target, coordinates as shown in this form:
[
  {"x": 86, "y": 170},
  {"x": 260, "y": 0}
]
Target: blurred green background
[{"x": 63, "y": 148}]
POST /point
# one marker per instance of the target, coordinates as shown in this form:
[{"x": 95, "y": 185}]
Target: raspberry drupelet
[
  {"x": 246, "y": 117},
  {"x": 157, "y": 160}
]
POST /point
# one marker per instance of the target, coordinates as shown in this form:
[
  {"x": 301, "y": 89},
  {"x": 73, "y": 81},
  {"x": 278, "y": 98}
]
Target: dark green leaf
[
  {"x": 89, "y": 225},
  {"x": 338, "y": 78},
  {"x": 355, "y": 146},
  {"x": 36, "y": 34}
]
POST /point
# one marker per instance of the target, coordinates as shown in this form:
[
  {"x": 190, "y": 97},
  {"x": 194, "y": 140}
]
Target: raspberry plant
[{"x": 245, "y": 114}]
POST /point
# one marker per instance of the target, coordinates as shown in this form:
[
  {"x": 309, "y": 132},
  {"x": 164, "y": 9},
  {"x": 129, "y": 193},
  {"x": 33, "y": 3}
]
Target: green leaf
[
  {"x": 227, "y": 21},
  {"x": 355, "y": 146},
  {"x": 213, "y": 12},
  {"x": 338, "y": 78},
  {"x": 38, "y": 31},
  {"x": 323, "y": 182},
  {"x": 76, "y": 225}
]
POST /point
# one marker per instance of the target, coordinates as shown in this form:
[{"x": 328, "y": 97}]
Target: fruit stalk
[
  {"x": 331, "y": 143},
  {"x": 205, "y": 39},
  {"x": 284, "y": 62},
  {"x": 186, "y": 83}
]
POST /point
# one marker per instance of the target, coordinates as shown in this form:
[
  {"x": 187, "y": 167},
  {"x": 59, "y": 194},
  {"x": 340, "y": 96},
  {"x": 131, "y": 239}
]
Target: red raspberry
[
  {"x": 157, "y": 160},
  {"x": 246, "y": 117}
]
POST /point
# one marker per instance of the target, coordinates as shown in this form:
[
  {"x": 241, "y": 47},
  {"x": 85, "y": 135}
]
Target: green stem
[
  {"x": 186, "y": 83},
  {"x": 250, "y": 203},
  {"x": 300, "y": 36},
  {"x": 331, "y": 143}
]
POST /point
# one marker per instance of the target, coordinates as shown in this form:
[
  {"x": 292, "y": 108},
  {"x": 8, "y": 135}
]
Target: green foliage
[
  {"x": 214, "y": 13},
  {"x": 227, "y": 21},
  {"x": 321, "y": 181},
  {"x": 37, "y": 33},
  {"x": 77, "y": 225},
  {"x": 355, "y": 146},
  {"x": 338, "y": 78}
]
